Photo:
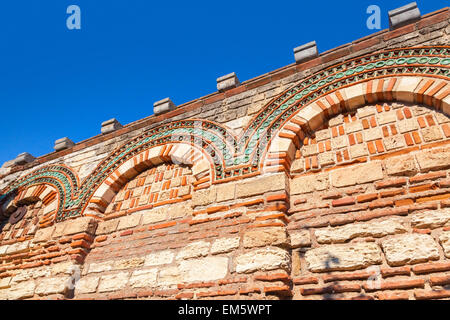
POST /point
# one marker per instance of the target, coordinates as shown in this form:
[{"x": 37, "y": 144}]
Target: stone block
[
  {"x": 227, "y": 82},
  {"x": 163, "y": 106},
  {"x": 306, "y": 52},
  {"x": 401, "y": 166},
  {"x": 63, "y": 143},
  {"x": 376, "y": 229},
  {"x": 343, "y": 257},
  {"x": 404, "y": 15},
  {"x": 431, "y": 219},
  {"x": 23, "y": 159},
  {"x": 159, "y": 258},
  {"x": 110, "y": 126},
  {"x": 223, "y": 245},
  {"x": 434, "y": 159},
  {"x": 309, "y": 183},
  {"x": 113, "y": 282},
  {"x": 107, "y": 227},
  {"x": 444, "y": 239},
  {"x": 262, "y": 260},
  {"x": 300, "y": 238},
  {"x": 86, "y": 285},
  {"x": 129, "y": 221},
  {"x": 55, "y": 285},
  {"x": 194, "y": 250},
  {"x": 81, "y": 225},
  {"x": 205, "y": 269},
  {"x": 410, "y": 249},
  {"x": 144, "y": 278},
  {"x": 261, "y": 185},
  {"x": 357, "y": 174},
  {"x": 265, "y": 237}
]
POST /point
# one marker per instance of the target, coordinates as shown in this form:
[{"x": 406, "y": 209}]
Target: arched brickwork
[
  {"x": 434, "y": 92},
  {"x": 170, "y": 153}
]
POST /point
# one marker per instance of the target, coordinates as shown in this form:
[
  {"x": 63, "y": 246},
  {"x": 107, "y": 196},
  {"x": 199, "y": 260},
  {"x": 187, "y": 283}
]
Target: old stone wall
[{"x": 326, "y": 179}]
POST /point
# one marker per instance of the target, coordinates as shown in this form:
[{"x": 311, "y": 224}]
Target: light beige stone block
[{"x": 410, "y": 249}]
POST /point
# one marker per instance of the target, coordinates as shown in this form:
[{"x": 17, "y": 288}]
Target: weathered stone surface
[
  {"x": 434, "y": 159},
  {"x": 107, "y": 227},
  {"x": 265, "y": 237},
  {"x": 112, "y": 282},
  {"x": 154, "y": 215},
  {"x": 357, "y": 174},
  {"x": 372, "y": 134},
  {"x": 338, "y": 143},
  {"x": 410, "y": 249},
  {"x": 86, "y": 285},
  {"x": 22, "y": 290},
  {"x": 431, "y": 219},
  {"x": 67, "y": 267},
  {"x": 101, "y": 266},
  {"x": 194, "y": 249},
  {"x": 298, "y": 165},
  {"x": 366, "y": 111},
  {"x": 354, "y": 126},
  {"x": 326, "y": 158},
  {"x": 358, "y": 150},
  {"x": 309, "y": 183},
  {"x": 128, "y": 263},
  {"x": 5, "y": 283},
  {"x": 374, "y": 229},
  {"x": 169, "y": 276},
  {"x": 206, "y": 269},
  {"x": 225, "y": 192},
  {"x": 394, "y": 142},
  {"x": 401, "y": 166},
  {"x": 204, "y": 197},
  {"x": 18, "y": 247},
  {"x": 143, "y": 278},
  {"x": 444, "y": 239},
  {"x": 48, "y": 286},
  {"x": 83, "y": 224},
  {"x": 159, "y": 258},
  {"x": 223, "y": 245},
  {"x": 271, "y": 182},
  {"x": 386, "y": 117},
  {"x": 27, "y": 274},
  {"x": 300, "y": 238},
  {"x": 130, "y": 221},
  {"x": 43, "y": 234},
  {"x": 407, "y": 125},
  {"x": 432, "y": 134},
  {"x": 343, "y": 257},
  {"x": 263, "y": 260},
  {"x": 323, "y": 134}
]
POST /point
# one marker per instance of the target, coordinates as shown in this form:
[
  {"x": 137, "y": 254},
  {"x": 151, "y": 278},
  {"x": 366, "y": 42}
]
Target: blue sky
[{"x": 56, "y": 82}]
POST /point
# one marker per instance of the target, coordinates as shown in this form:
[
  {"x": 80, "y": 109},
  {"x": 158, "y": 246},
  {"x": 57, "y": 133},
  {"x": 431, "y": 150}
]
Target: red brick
[
  {"x": 334, "y": 288},
  {"x": 367, "y": 197},
  {"x": 390, "y": 183},
  {"x": 398, "y": 284},
  {"x": 343, "y": 202},
  {"x": 305, "y": 280},
  {"x": 435, "y": 294},
  {"x": 393, "y": 295},
  {"x": 361, "y": 275},
  {"x": 439, "y": 280},
  {"x": 431, "y": 267},
  {"x": 390, "y": 272}
]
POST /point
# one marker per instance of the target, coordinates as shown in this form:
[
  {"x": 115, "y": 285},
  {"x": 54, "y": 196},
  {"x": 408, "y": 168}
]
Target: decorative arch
[
  {"x": 178, "y": 153},
  {"x": 431, "y": 91}
]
